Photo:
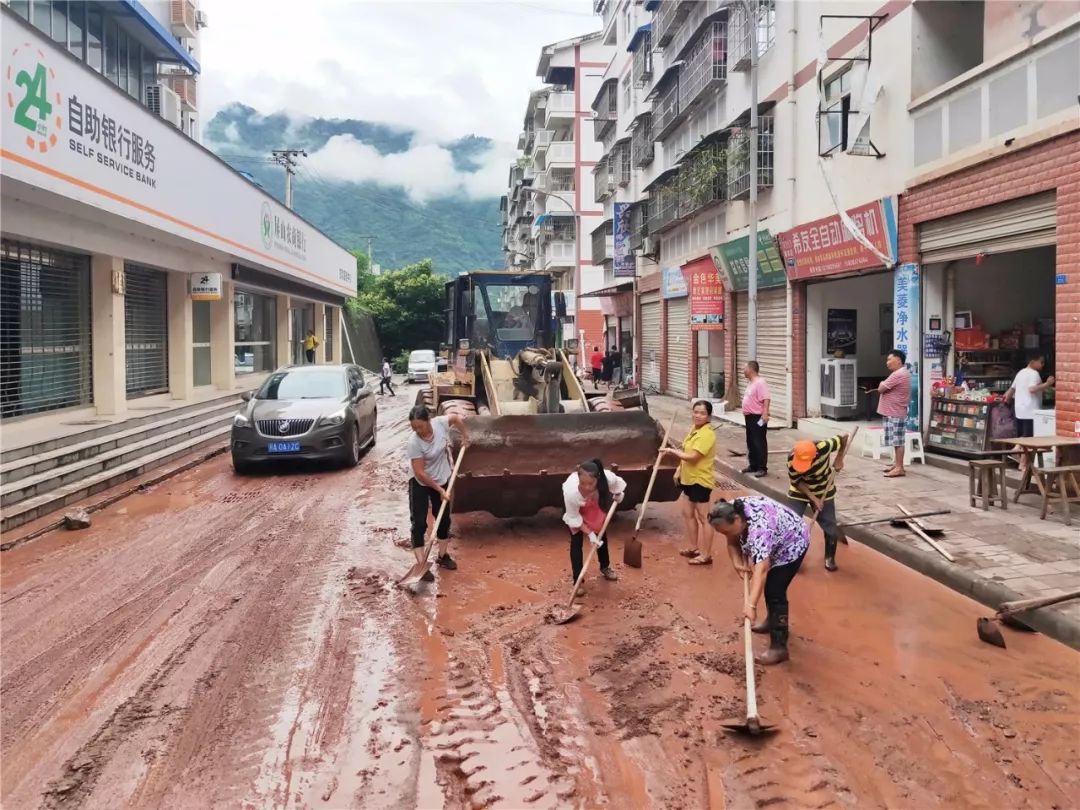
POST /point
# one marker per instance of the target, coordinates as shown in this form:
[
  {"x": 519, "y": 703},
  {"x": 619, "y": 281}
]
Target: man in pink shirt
[
  {"x": 755, "y": 408},
  {"x": 895, "y": 393}
]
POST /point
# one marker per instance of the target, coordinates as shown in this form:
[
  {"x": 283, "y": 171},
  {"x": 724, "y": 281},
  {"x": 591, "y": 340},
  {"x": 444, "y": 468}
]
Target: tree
[
  {"x": 407, "y": 305},
  {"x": 364, "y": 278}
]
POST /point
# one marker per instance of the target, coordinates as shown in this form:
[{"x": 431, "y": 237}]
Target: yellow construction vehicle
[{"x": 530, "y": 420}]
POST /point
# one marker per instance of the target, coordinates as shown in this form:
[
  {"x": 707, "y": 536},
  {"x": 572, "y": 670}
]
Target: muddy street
[{"x": 226, "y": 641}]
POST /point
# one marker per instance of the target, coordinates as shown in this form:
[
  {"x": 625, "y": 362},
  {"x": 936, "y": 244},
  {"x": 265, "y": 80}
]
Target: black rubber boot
[
  {"x": 778, "y": 634},
  {"x": 830, "y": 555}
]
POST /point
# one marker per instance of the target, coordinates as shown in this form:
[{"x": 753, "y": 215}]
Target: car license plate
[{"x": 283, "y": 447}]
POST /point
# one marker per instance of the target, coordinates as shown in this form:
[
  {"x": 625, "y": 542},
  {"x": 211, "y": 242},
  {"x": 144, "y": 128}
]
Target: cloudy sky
[{"x": 445, "y": 68}]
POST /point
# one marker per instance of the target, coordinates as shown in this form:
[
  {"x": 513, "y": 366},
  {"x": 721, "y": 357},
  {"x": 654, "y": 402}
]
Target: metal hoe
[
  {"x": 989, "y": 632},
  {"x": 752, "y": 726},
  {"x": 632, "y": 547},
  {"x": 414, "y": 574},
  {"x": 571, "y": 611}
]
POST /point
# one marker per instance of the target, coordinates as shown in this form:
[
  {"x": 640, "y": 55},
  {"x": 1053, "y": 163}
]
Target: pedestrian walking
[
  {"x": 428, "y": 451},
  {"x": 768, "y": 542},
  {"x": 892, "y": 407},
  {"x": 596, "y": 361},
  {"x": 310, "y": 344},
  {"x": 1026, "y": 395},
  {"x": 696, "y": 479},
  {"x": 607, "y": 369},
  {"x": 755, "y": 408},
  {"x": 811, "y": 482},
  {"x": 616, "y": 367},
  {"x": 386, "y": 380},
  {"x": 587, "y": 496}
]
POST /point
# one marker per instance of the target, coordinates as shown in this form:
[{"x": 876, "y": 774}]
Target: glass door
[{"x": 200, "y": 347}]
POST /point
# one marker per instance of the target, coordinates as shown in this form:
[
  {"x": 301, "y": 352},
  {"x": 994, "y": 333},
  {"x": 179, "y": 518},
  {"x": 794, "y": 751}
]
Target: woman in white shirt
[{"x": 587, "y": 495}]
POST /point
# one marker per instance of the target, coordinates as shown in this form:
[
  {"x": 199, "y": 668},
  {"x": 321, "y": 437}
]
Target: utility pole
[
  {"x": 370, "y": 252},
  {"x": 287, "y": 159},
  {"x": 752, "y": 285}
]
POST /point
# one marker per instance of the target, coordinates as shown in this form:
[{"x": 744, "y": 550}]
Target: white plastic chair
[
  {"x": 873, "y": 443},
  {"x": 913, "y": 448}
]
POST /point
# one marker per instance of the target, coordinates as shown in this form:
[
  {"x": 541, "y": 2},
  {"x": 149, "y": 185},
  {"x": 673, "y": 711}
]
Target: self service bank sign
[{"x": 69, "y": 131}]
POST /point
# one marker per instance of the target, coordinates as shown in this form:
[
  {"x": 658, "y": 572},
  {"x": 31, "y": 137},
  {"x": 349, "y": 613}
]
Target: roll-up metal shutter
[
  {"x": 146, "y": 327},
  {"x": 1015, "y": 225},
  {"x": 771, "y": 347},
  {"x": 45, "y": 330},
  {"x": 651, "y": 313},
  {"x": 678, "y": 347}
]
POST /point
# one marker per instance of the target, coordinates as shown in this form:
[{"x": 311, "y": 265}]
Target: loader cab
[{"x": 504, "y": 312}]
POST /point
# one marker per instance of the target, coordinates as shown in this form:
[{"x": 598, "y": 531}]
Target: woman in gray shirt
[{"x": 428, "y": 451}]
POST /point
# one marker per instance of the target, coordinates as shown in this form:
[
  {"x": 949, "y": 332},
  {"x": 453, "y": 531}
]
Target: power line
[{"x": 287, "y": 159}]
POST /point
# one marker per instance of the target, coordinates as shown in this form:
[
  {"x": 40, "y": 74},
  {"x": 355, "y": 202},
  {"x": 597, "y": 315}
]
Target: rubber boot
[
  {"x": 778, "y": 634},
  {"x": 762, "y": 626},
  {"x": 830, "y": 555}
]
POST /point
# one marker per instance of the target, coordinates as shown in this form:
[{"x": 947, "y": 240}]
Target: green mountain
[{"x": 457, "y": 232}]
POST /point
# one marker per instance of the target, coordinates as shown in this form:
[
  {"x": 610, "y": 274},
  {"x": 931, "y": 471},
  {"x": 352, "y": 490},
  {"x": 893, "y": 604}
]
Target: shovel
[
  {"x": 414, "y": 574},
  {"x": 989, "y": 632},
  {"x": 752, "y": 726},
  {"x": 632, "y": 547},
  {"x": 571, "y": 611},
  {"x": 897, "y": 518},
  {"x": 917, "y": 527}
]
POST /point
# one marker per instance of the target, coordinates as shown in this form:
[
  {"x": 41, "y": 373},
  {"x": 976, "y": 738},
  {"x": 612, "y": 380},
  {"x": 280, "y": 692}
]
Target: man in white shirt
[{"x": 1026, "y": 394}]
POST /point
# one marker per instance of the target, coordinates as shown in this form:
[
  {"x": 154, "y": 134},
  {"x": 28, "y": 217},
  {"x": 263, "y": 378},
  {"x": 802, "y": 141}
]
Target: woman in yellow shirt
[
  {"x": 696, "y": 479},
  {"x": 310, "y": 342}
]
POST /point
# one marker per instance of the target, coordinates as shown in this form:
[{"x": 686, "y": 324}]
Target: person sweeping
[
  {"x": 696, "y": 479},
  {"x": 428, "y": 451},
  {"x": 767, "y": 542},
  {"x": 587, "y": 495},
  {"x": 811, "y": 483}
]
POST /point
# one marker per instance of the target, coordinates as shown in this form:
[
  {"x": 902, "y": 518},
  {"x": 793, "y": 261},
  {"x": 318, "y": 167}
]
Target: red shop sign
[
  {"x": 825, "y": 247},
  {"x": 706, "y": 295}
]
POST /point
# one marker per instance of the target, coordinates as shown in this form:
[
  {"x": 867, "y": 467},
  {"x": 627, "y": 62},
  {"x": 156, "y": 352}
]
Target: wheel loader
[{"x": 531, "y": 422}]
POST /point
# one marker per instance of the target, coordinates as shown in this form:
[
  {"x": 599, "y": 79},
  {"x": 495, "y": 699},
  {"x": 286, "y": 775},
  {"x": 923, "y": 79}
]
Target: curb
[
  {"x": 154, "y": 478},
  {"x": 985, "y": 591}
]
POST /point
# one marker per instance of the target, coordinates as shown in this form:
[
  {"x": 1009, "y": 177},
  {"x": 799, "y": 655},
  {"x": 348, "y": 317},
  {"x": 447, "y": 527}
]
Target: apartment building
[
  {"x": 839, "y": 156},
  {"x": 549, "y": 207},
  {"x": 138, "y": 269}
]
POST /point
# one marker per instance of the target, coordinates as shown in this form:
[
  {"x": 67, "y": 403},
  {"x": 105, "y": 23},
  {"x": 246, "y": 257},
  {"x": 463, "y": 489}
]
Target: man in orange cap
[{"x": 810, "y": 483}]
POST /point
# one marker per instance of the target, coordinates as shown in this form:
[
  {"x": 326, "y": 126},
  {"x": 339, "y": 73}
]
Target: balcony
[
  {"x": 182, "y": 20},
  {"x": 541, "y": 140},
  {"x": 643, "y": 60},
  {"x": 603, "y": 243},
  {"x": 621, "y": 165},
  {"x": 605, "y": 109},
  {"x": 703, "y": 178},
  {"x": 702, "y": 13},
  {"x": 664, "y": 204},
  {"x": 561, "y": 154},
  {"x": 603, "y": 179},
  {"x": 560, "y": 180},
  {"x": 667, "y": 111},
  {"x": 560, "y": 107},
  {"x": 639, "y": 224},
  {"x": 556, "y": 205},
  {"x": 1022, "y": 93},
  {"x": 738, "y": 159},
  {"x": 558, "y": 253},
  {"x": 668, "y": 18},
  {"x": 705, "y": 68},
  {"x": 642, "y": 145}
]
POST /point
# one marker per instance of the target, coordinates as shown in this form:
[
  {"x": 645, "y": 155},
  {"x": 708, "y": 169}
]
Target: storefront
[
  {"x": 999, "y": 284},
  {"x": 45, "y": 329},
  {"x": 773, "y": 330},
  {"x": 845, "y": 287},
  {"x": 651, "y": 325},
  {"x": 254, "y": 326},
  {"x": 989, "y": 280},
  {"x": 676, "y": 363},
  {"x": 146, "y": 330}
]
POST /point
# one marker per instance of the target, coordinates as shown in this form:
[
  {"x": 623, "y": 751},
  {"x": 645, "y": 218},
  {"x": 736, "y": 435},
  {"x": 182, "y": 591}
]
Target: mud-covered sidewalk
[
  {"x": 999, "y": 554},
  {"x": 238, "y": 642}
]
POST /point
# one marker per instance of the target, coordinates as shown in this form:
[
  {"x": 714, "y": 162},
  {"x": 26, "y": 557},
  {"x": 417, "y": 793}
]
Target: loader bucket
[{"x": 516, "y": 465}]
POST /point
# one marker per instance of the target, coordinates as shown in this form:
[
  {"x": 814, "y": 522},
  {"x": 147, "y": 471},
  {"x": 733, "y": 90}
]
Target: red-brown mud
[{"x": 224, "y": 641}]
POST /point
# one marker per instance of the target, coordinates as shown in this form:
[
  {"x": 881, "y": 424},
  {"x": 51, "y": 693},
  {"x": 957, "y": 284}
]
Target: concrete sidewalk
[{"x": 1000, "y": 555}]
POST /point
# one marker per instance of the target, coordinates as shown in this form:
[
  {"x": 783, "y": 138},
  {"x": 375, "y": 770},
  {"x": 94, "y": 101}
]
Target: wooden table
[{"x": 1033, "y": 448}]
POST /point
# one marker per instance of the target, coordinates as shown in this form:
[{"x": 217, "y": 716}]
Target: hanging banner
[
  {"x": 732, "y": 259},
  {"x": 907, "y": 332},
  {"x": 706, "y": 295},
  {"x": 825, "y": 247},
  {"x": 624, "y": 256}
]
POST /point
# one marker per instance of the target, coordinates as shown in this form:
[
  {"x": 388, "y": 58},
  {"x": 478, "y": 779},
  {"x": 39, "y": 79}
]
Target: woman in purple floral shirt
[{"x": 768, "y": 542}]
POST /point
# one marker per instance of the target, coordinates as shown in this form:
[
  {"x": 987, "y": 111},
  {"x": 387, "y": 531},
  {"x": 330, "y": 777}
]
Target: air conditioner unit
[
  {"x": 650, "y": 247},
  {"x": 839, "y": 391},
  {"x": 162, "y": 101},
  {"x": 201, "y": 20}
]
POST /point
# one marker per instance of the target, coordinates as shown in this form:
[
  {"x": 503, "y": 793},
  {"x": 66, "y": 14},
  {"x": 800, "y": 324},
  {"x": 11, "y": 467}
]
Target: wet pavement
[{"x": 238, "y": 642}]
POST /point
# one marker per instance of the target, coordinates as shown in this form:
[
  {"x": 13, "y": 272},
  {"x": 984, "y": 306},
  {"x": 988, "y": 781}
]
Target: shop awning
[
  {"x": 639, "y": 35},
  {"x": 607, "y": 292}
]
